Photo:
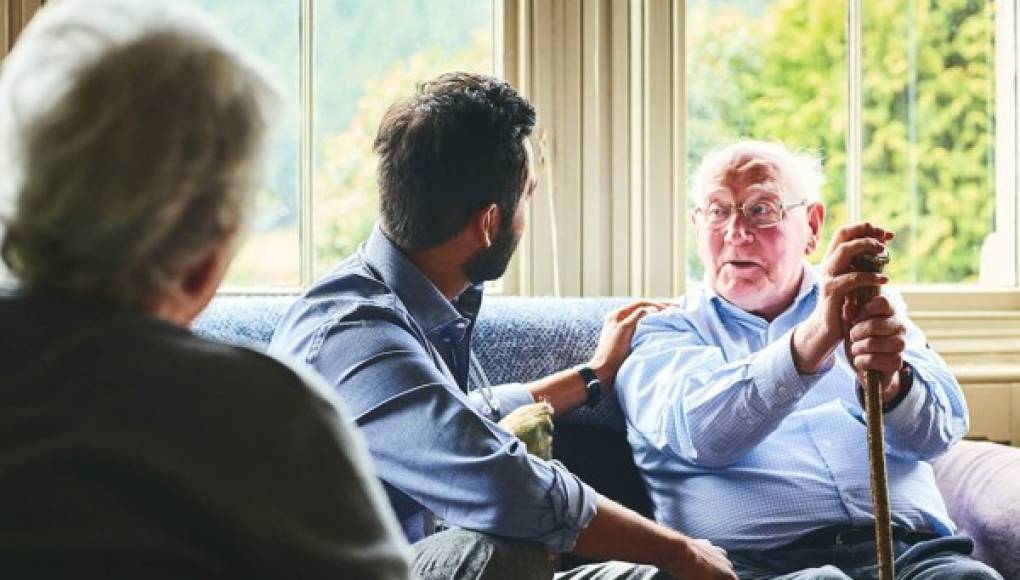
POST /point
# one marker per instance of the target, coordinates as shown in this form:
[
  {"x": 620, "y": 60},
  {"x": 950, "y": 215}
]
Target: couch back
[{"x": 517, "y": 340}]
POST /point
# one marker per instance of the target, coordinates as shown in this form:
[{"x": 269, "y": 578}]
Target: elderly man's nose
[{"x": 736, "y": 229}]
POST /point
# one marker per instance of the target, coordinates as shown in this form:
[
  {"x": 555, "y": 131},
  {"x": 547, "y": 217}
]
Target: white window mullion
[
  {"x": 679, "y": 106},
  {"x": 1007, "y": 128},
  {"x": 855, "y": 128},
  {"x": 306, "y": 155}
]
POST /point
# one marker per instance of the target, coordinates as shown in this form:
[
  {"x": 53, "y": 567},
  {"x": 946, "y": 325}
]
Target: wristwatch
[{"x": 591, "y": 384}]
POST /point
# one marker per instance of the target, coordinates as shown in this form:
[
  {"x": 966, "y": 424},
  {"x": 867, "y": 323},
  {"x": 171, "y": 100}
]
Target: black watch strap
[{"x": 591, "y": 384}]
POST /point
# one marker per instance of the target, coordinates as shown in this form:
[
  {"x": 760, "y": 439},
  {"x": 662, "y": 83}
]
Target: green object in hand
[{"x": 533, "y": 425}]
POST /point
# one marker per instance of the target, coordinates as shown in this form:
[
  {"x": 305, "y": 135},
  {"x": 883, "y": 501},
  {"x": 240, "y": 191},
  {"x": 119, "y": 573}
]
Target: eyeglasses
[{"x": 758, "y": 213}]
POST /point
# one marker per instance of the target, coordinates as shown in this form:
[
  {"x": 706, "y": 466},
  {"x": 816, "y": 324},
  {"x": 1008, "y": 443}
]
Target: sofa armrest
[{"x": 981, "y": 485}]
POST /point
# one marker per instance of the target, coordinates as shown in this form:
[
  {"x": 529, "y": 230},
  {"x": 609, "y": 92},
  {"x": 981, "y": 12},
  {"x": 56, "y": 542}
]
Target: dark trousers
[
  {"x": 935, "y": 559},
  {"x": 457, "y": 554}
]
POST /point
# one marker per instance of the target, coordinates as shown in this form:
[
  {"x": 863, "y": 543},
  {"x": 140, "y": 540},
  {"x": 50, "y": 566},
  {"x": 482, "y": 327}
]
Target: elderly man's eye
[
  {"x": 763, "y": 210},
  {"x": 717, "y": 212}
]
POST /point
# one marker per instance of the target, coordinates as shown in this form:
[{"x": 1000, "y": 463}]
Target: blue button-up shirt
[
  {"x": 738, "y": 447},
  {"x": 399, "y": 355}
]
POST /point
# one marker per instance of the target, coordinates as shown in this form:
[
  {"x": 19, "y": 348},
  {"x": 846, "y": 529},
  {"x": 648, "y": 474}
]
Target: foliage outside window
[{"x": 365, "y": 55}]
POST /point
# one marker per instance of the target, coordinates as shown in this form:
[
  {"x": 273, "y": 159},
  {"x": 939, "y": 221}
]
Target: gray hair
[
  {"x": 132, "y": 135},
  {"x": 800, "y": 174}
]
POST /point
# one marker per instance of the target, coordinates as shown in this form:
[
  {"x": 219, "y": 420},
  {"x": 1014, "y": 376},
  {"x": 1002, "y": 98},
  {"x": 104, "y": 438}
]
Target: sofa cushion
[{"x": 981, "y": 484}]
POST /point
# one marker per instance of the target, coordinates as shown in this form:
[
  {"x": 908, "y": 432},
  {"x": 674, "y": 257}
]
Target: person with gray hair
[
  {"x": 132, "y": 140},
  {"x": 743, "y": 406}
]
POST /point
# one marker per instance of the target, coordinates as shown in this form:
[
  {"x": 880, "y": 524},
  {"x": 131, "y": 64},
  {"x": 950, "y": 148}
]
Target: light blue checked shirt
[{"x": 736, "y": 446}]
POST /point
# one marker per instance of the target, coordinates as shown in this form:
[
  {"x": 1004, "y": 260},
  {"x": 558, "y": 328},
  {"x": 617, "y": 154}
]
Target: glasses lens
[
  {"x": 717, "y": 213},
  {"x": 763, "y": 212}
]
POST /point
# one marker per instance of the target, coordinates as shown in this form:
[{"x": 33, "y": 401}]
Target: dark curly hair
[{"x": 454, "y": 147}]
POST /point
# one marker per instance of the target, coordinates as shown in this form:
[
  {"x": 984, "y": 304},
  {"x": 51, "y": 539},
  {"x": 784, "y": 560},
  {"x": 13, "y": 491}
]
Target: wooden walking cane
[{"x": 876, "y": 440}]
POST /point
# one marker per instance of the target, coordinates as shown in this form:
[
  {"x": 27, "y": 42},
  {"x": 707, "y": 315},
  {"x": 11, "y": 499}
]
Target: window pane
[
  {"x": 368, "y": 53},
  {"x": 270, "y": 255},
  {"x": 772, "y": 70},
  {"x": 929, "y": 133}
]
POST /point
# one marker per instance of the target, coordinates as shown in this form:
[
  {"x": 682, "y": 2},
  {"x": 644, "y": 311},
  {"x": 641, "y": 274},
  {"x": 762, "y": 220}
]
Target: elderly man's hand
[
  {"x": 816, "y": 339},
  {"x": 876, "y": 342}
]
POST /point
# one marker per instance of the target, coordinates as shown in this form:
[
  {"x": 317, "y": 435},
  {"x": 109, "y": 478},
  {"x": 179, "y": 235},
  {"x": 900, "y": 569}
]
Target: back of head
[
  {"x": 132, "y": 134},
  {"x": 451, "y": 149}
]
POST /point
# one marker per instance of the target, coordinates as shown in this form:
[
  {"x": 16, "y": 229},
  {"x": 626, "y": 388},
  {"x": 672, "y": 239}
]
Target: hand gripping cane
[{"x": 876, "y": 440}]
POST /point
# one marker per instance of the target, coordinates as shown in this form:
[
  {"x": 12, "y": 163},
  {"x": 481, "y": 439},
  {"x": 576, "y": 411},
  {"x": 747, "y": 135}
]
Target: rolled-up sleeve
[
  {"x": 429, "y": 442},
  {"x": 506, "y": 397}
]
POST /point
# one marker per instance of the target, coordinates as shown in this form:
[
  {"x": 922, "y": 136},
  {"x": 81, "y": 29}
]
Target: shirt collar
[
  {"x": 423, "y": 300},
  {"x": 808, "y": 286}
]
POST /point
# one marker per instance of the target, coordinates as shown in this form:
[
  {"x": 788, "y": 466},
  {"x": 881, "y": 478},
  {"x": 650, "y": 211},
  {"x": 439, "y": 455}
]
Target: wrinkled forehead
[{"x": 741, "y": 177}]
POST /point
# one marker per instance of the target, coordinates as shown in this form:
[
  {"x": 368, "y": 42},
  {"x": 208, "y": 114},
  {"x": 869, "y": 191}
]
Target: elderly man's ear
[{"x": 816, "y": 219}]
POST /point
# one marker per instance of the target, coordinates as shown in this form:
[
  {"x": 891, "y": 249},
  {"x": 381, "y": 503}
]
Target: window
[
  {"x": 924, "y": 115},
  {"x": 340, "y": 64}
]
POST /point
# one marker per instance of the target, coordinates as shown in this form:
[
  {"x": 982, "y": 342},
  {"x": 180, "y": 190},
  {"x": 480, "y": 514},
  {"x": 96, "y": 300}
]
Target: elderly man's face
[{"x": 757, "y": 269}]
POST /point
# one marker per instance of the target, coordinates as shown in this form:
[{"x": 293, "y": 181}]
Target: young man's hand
[
  {"x": 614, "y": 343},
  {"x": 701, "y": 559}
]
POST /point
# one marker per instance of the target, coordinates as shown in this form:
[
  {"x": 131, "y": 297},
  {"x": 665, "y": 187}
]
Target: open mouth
[{"x": 742, "y": 264}]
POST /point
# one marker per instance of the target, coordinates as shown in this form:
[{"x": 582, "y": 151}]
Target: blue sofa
[{"x": 522, "y": 339}]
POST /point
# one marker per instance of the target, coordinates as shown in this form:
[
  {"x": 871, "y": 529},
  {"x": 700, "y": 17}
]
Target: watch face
[{"x": 594, "y": 393}]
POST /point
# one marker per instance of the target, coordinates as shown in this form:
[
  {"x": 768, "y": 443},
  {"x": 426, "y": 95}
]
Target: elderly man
[
  {"x": 742, "y": 406},
  {"x": 129, "y": 448},
  {"x": 391, "y": 329}
]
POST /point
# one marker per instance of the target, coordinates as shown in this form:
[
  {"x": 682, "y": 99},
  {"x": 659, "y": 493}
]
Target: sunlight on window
[
  {"x": 929, "y": 133},
  {"x": 271, "y": 255},
  {"x": 369, "y": 53},
  {"x": 366, "y": 54}
]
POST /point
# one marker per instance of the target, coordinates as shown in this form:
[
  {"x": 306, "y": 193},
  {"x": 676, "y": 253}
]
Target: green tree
[{"x": 346, "y": 192}]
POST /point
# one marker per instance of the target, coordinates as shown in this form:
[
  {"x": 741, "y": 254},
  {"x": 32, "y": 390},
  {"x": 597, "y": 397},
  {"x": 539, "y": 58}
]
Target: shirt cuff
[
  {"x": 779, "y": 383},
  {"x": 574, "y": 506},
  {"x": 506, "y": 398}
]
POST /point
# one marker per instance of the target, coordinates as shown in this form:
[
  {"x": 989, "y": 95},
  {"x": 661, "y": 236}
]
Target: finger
[
  {"x": 839, "y": 257},
  {"x": 625, "y": 311},
  {"x": 877, "y": 307},
  {"x": 859, "y": 230},
  {"x": 844, "y": 284},
  {"x": 849, "y": 312},
  {"x": 636, "y": 316},
  {"x": 888, "y": 326},
  {"x": 879, "y": 344},
  {"x": 887, "y": 364}
]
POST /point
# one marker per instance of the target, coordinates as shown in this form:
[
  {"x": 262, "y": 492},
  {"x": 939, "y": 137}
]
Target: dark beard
[{"x": 490, "y": 263}]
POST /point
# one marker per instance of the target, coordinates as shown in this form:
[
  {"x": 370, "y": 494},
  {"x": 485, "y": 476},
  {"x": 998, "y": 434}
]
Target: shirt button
[
  {"x": 460, "y": 325},
  {"x": 781, "y": 389}
]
